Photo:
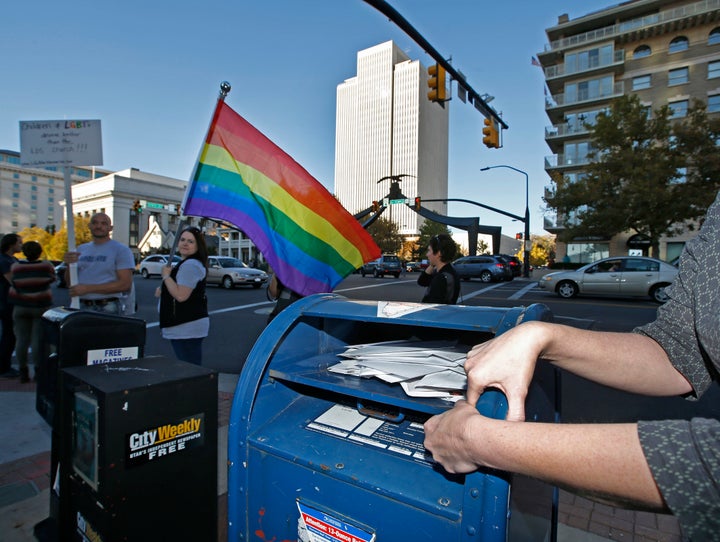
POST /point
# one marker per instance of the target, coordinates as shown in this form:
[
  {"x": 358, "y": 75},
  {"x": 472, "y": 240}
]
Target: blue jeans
[{"x": 189, "y": 350}]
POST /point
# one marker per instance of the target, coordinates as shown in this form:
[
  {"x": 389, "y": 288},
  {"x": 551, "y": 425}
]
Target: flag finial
[{"x": 224, "y": 89}]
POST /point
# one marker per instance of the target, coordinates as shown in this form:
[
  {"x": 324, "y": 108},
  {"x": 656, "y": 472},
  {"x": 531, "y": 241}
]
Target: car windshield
[
  {"x": 231, "y": 262},
  {"x": 391, "y": 258}
]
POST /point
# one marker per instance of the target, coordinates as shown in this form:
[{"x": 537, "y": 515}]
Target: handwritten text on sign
[{"x": 60, "y": 143}]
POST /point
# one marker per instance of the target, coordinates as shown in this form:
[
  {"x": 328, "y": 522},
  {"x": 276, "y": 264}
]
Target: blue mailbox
[{"x": 316, "y": 455}]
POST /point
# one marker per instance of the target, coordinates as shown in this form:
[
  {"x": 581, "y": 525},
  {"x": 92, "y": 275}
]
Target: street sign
[
  {"x": 396, "y": 201},
  {"x": 153, "y": 205},
  {"x": 60, "y": 143}
]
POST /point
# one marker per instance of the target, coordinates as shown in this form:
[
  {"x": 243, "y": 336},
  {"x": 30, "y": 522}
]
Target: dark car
[
  {"x": 387, "y": 264},
  {"x": 60, "y": 272},
  {"x": 486, "y": 267},
  {"x": 515, "y": 264}
]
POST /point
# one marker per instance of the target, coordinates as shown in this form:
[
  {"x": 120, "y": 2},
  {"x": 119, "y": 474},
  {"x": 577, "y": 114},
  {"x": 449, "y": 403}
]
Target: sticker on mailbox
[
  {"x": 317, "y": 526},
  {"x": 346, "y": 423}
]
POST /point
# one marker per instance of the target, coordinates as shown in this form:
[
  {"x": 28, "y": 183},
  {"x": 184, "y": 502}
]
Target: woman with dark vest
[{"x": 183, "y": 305}]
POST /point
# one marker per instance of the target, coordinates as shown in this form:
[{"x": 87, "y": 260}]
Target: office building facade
[
  {"x": 385, "y": 125},
  {"x": 665, "y": 51}
]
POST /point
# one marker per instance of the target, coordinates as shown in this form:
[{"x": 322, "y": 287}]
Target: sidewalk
[{"x": 25, "y": 480}]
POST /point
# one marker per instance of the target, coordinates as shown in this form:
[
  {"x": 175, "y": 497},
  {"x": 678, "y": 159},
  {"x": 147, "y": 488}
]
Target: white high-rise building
[{"x": 385, "y": 125}]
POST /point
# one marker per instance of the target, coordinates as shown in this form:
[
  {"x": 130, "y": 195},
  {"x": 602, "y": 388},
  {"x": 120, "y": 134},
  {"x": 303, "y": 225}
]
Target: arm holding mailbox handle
[{"x": 605, "y": 459}]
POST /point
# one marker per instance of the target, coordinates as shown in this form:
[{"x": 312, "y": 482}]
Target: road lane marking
[{"x": 520, "y": 293}]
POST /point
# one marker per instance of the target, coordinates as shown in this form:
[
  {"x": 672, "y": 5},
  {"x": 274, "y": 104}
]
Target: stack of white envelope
[{"x": 422, "y": 368}]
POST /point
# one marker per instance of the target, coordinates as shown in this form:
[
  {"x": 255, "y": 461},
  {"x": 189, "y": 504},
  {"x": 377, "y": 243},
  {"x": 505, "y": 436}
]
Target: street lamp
[{"x": 526, "y": 236}]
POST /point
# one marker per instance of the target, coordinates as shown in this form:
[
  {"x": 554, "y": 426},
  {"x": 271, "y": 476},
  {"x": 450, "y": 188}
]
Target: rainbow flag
[{"x": 308, "y": 238}]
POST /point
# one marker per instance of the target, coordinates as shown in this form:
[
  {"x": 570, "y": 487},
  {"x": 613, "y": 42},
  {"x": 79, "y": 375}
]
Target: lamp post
[{"x": 526, "y": 235}]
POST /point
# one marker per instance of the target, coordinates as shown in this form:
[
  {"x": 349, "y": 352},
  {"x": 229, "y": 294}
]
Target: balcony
[
  {"x": 666, "y": 19},
  {"x": 558, "y": 70},
  {"x": 555, "y": 161},
  {"x": 560, "y": 101},
  {"x": 564, "y": 130}
]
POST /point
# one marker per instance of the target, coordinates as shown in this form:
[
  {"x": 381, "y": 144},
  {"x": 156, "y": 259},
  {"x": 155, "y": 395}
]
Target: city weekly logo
[{"x": 163, "y": 440}]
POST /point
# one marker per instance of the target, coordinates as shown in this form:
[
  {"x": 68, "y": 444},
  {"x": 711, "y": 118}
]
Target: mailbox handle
[{"x": 380, "y": 414}]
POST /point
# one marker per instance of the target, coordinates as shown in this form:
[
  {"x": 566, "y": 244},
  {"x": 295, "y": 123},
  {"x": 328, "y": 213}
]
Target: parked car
[
  {"x": 618, "y": 276},
  {"x": 60, "y": 272},
  {"x": 229, "y": 272},
  {"x": 411, "y": 267},
  {"x": 387, "y": 264},
  {"x": 486, "y": 267},
  {"x": 515, "y": 264},
  {"x": 152, "y": 265}
]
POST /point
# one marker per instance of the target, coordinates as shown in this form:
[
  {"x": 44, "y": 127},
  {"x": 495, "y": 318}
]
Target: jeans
[
  {"x": 28, "y": 332},
  {"x": 189, "y": 350},
  {"x": 112, "y": 307}
]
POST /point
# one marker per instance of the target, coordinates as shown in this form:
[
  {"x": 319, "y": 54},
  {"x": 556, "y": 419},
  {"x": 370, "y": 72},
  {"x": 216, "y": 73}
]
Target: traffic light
[
  {"x": 492, "y": 136},
  {"x": 417, "y": 203},
  {"x": 136, "y": 206},
  {"x": 436, "y": 82},
  {"x": 519, "y": 236},
  {"x": 376, "y": 206}
]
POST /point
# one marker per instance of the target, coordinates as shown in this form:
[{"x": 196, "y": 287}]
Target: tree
[
  {"x": 649, "y": 174},
  {"x": 429, "y": 229},
  {"x": 386, "y": 235},
  {"x": 58, "y": 245},
  {"x": 40, "y": 235},
  {"x": 542, "y": 251}
]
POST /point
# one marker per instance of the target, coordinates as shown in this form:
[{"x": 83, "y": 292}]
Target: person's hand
[
  {"x": 79, "y": 290},
  {"x": 71, "y": 257},
  {"x": 449, "y": 437},
  {"x": 507, "y": 363},
  {"x": 165, "y": 271}
]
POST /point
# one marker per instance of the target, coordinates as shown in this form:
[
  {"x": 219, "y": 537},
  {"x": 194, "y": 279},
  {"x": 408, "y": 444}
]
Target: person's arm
[
  {"x": 122, "y": 283},
  {"x": 626, "y": 361},
  {"x": 273, "y": 287},
  {"x": 604, "y": 460},
  {"x": 178, "y": 291}
]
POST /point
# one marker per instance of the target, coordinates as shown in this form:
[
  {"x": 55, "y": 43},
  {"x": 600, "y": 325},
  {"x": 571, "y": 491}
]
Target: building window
[
  {"x": 678, "y": 109},
  {"x": 33, "y": 197},
  {"x": 34, "y": 178},
  {"x": 678, "y": 76},
  {"x": 713, "y": 105},
  {"x": 16, "y": 186},
  {"x": 714, "y": 37},
  {"x": 51, "y": 181},
  {"x": 33, "y": 188},
  {"x": 51, "y": 190},
  {"x": 678, "y": 44},
  {"x": 642, "y": 51},
  {"x": 713, "y": 69},
  {"x": 641, "y": 82},
  {"x": 16, "y": 175}
]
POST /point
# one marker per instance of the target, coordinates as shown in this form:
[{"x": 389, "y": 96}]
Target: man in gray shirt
[
  {"x": 671, "y": 465},
  {"x": 105, "y": 269}
]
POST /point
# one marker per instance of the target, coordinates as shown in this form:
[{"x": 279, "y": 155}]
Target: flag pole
[{"x": 224, "y": 91}]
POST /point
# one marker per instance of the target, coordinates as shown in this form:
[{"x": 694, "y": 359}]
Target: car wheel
[
  {"x": 257, "y": 285},
  {"x": 227, "y": 282},
  {"x": 144, "y": 273},
  {"x": 486, "y": 276},
  {"x": 376, "y": 274},
  {"x": 658, "y": 293},
  {"x": 397, "y": 275},
  {"x": 567, "y": 289},
  {"x": 362, "y": 272}
]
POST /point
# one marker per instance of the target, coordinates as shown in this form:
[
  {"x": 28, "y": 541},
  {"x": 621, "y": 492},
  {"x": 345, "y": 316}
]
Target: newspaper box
[{"x": 319, "y": 451}]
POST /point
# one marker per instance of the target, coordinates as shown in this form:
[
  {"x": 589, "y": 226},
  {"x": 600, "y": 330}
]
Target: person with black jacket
[
  {"x": 440, "y": 278},
  {"x": 184, "y": 319}
]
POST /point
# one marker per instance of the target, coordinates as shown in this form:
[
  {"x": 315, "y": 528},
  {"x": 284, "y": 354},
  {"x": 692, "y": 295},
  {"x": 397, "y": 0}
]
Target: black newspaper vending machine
[{"x": 140, "y": 458}]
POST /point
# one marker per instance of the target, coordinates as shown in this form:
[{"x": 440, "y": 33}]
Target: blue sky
[{"x": 151, "y": 71}]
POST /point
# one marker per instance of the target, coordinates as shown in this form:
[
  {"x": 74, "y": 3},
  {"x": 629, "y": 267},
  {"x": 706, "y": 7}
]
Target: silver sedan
[{"x": 619, "y": 276}]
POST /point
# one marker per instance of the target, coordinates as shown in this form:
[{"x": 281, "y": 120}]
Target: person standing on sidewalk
[
  {"x": 105, "y": 269},
  {"x": 184, "y": 319},
  {"x": 31, "y": 295},
  {"x": 10, "y": 244}
]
